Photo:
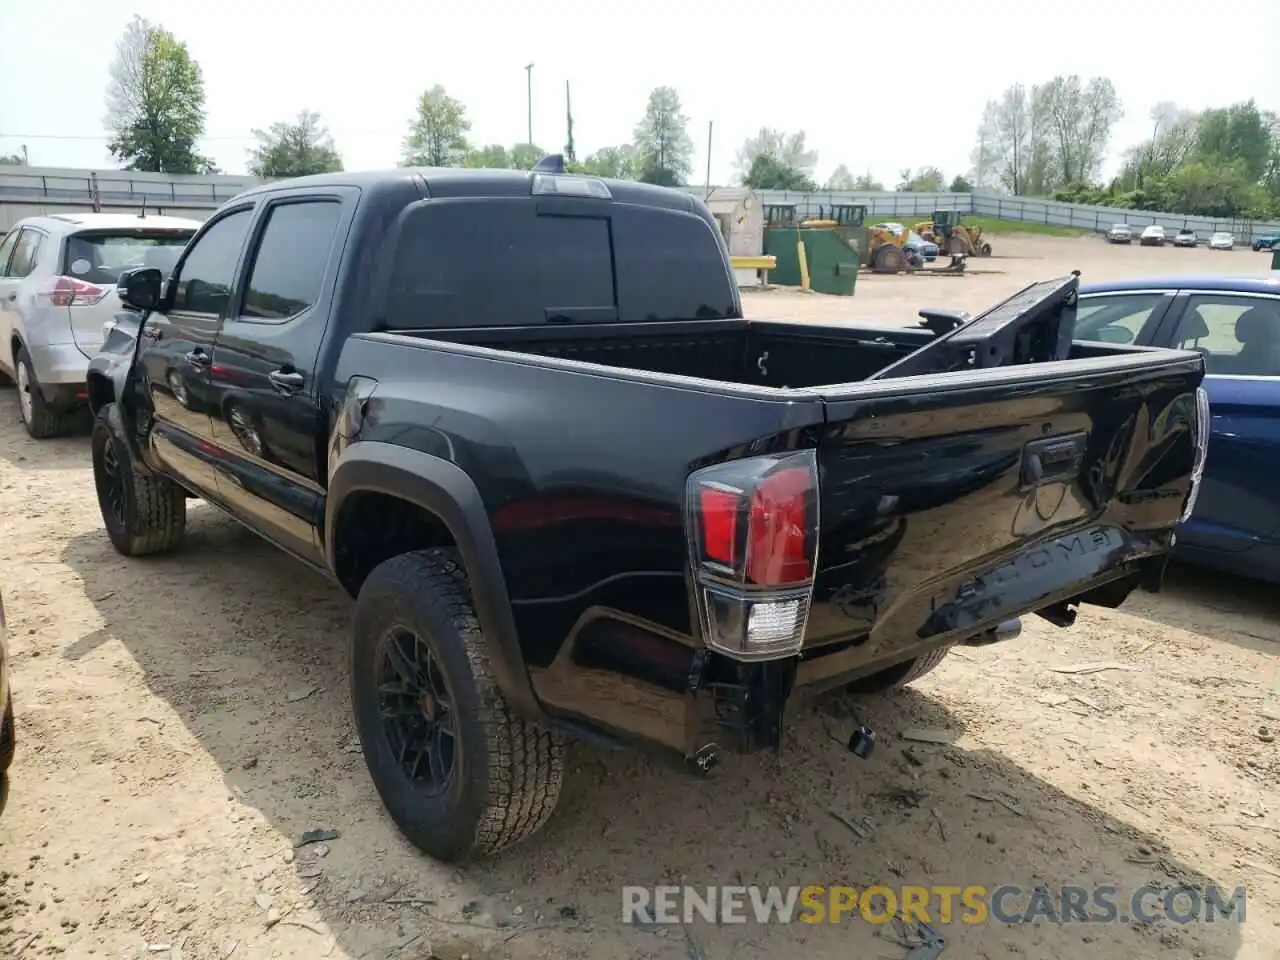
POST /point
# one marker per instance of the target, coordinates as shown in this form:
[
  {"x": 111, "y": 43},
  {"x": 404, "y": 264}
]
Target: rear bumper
[{"x": 58, "y": 366}]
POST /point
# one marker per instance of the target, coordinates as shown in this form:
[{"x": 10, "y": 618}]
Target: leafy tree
[
  {"x": 438, "y": 133},
  {"x": 770, "y": 173},
  {"x": 985, "y": 155},
  {"x": 11, "y": 160},
  {"x": 524, "y": 156},
  {"x": 960, "y": 185},
  {"x": 1239, "y": 132},
  {"x": 774, "y": 160},
  {"x": 155, "y": 102},
  {"x": 494, "y": 156},
  {"x": 664, "y": 150},
  {"x": 294, "y": 149},
  {"x": 867, "y": 183},
  {"x": 840, "y": 179},
  {"x": 924, "y": 180},
  {"x": 1080, "y": 117},
  {"x": 613, "y": 163}
]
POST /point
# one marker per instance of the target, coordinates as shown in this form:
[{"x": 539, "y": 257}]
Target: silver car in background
[{"x": 57, "y": 290}]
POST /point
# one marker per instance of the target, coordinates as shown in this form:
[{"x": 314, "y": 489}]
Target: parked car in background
[
  {"x": 1186, "y": 237},
  {"x": 1266, "y": 241},
  {"x": 1222, "y": 241},
  {"x": 1120, "y": 233},
  {"x": 927, "y": 249},
  {"x": 8, "y": 733},
  {"x": 1152, "y": 236},
  {"x": 1235, "y": 323},
  {"x": 57, "y": 288}
]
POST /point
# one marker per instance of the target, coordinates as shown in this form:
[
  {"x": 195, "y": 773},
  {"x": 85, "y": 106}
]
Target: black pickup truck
[{"x": 519, "y": 417}]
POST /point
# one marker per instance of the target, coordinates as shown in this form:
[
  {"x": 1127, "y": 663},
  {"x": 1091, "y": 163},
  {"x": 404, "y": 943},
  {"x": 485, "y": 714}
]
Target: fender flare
[{"x": 442, "y": 488}]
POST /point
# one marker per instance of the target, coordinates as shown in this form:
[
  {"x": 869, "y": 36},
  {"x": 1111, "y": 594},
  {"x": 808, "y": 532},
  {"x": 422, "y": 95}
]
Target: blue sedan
[{"x": 1235, "y": 323}]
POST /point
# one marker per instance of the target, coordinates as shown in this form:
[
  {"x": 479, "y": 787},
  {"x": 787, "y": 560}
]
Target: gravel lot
[{"x": 183, "y": 720}]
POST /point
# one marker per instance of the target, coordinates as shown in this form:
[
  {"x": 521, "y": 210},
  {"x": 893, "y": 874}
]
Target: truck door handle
[
  {"x": 286, "y": 381},
  {"x": 197, "y": 358}
]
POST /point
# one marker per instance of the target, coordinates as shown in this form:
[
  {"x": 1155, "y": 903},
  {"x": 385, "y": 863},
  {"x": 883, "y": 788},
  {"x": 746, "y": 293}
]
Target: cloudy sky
[{"x": 847, "y": 75}]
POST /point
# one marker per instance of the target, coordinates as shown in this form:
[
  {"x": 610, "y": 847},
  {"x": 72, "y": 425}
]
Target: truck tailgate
[{"x": 951, "y": 502}]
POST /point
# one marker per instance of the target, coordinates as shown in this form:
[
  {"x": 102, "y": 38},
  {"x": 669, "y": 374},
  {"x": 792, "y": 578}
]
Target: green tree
[
  {"x": 924, "y": 180},
  {"x": 960, "y": 185},
  {"x": 524, "y": 156},
  {"x": 1239, "y": 132},
  {"x": 664, "y": 149},
  {"x": 613, "y": 163},
  {"x": 155, "y": 102},
  {"x": 438, "y": 132},
  {"x": 1080, "y": 118},
  {"x": 840, "y": 179},
  {"x": 774, "y": 160},
  {"x": 769, "y": 173},
  {"x": 494, "y": 157},
  {"x": 11, "y": 160},
  {"x": 294, "y": 149},
  {"x": 866, "y": 183}
]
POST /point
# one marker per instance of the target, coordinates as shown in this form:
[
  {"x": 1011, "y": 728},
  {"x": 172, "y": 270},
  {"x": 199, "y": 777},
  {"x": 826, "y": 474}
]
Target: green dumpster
[{"x": 831, "y": 261}]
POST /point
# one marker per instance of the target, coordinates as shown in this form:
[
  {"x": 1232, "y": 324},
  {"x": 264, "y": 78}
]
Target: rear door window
[
  {"x": 6, "y": 251},
  {"x": 290, "y": 262},
  {"x": 501, "y": 262},
  {"x": 100, "y": 256},
  {"x": 1238, "y": 336}
]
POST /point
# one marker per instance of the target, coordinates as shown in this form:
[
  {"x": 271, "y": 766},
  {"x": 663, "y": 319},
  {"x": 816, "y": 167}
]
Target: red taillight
[
  {"x": 719, "y": 509},
  {"x": 753, "y": 526},
  {"x": 777, "y": 551},
  {"x": 70, "y": 292}
]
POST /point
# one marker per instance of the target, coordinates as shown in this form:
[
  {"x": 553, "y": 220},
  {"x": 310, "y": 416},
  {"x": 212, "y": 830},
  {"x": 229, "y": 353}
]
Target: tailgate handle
[{"x": 1053, "y": 458}]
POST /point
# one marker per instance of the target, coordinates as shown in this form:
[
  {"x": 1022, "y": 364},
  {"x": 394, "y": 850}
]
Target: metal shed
[{"x": 741, "y": 219}]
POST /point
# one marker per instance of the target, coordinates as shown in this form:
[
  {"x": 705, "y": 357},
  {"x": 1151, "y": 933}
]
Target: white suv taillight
[
  {"x": 1203, "y": 427},
  {"x": 70, "y": 292},
  {"x": 753, "y": 532}
]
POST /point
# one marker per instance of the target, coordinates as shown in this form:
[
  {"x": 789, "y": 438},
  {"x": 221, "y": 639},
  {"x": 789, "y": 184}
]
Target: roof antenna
[{"x": 551, "y": 163}]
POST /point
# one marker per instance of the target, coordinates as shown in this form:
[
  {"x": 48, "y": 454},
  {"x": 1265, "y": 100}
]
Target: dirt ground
[{"x": 183, "y": 720}]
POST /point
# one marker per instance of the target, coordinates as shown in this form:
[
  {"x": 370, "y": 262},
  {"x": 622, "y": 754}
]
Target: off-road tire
[
  {"x": 900, "y": 674},
  {"x": 8, "y": 738},
  {"x": 508, "y": 771},
  {"x": 45, "y": 421},
  {"x": 155, "y": 508}
]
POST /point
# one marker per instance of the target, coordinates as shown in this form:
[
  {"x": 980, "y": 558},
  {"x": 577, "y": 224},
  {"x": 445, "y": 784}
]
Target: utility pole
[
  {"x": 569, "y": 154},
  {"x": 528, "y": 70},
  {"x": 706, "y": 193}
]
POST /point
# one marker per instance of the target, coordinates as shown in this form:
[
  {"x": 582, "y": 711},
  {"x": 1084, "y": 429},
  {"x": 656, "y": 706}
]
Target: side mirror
[{"x": 140, "y": 288}]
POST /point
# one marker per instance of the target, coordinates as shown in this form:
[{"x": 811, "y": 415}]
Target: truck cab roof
[{"x": 469, "y": 182}]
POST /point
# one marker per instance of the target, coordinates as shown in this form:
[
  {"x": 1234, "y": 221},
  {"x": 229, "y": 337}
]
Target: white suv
[{"x": 57, "y": 289}]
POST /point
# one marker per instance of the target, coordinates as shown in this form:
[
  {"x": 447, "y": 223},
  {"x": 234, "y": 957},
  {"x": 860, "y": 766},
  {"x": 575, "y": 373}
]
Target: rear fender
[{"x": 444, "y": 490}]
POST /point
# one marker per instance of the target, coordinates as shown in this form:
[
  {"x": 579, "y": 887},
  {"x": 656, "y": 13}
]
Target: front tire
[
  {"x": 459, "y": 772},
  {"x": 143, "y": 512},
  {"x": 40, "y": 420}
]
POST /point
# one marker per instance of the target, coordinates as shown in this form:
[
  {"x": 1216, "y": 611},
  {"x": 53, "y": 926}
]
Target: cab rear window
[
  {"x": 101, "y": 256},
  {"x": 507, "y": 262}
]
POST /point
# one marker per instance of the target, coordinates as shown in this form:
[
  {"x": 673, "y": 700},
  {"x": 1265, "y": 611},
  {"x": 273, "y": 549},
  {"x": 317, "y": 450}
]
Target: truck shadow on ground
[
  {"x": 249, "y": 649},
  {"x": 1209, "y": 603}
]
